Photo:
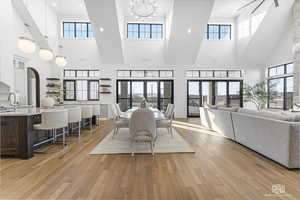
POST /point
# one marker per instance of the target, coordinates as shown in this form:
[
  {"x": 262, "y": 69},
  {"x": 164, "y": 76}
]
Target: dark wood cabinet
[{"x": 17, "y": 135}]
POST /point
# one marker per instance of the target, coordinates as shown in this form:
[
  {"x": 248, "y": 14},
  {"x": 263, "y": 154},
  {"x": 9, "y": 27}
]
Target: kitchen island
[{"x": 16, "y": 132}]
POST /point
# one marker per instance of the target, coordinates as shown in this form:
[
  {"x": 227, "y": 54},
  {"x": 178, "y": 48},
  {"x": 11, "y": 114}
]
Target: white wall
[
  {"x": 13, "y": 27},
  {"x": 139, "y": 54}
]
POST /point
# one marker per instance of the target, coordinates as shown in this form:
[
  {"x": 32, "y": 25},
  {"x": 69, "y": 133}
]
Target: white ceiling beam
[
  {"x": 189, "y": 22},
  {"x": 103, "y": 15}
]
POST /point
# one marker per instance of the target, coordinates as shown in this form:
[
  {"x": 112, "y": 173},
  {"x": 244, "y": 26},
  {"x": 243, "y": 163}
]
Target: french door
[
  {"x": 227, "y": 93},
  {"x": 130, "y": 93}
]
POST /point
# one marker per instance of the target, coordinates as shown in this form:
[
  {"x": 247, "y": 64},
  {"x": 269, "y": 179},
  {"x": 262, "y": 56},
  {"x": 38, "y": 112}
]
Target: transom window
[
  {"x": 214, "y": 74},
  {"x": 281, "y": 86},
  {"x": 69, "y": 73},
  {"x": 218, "y": 32},
  {"x": 144, "y": 31},
  {"x": 145, "y": 73},
  {"x": 77, "y": 30}
]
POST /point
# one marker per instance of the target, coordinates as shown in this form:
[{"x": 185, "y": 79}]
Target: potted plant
[{"x": 257, "y": 94}]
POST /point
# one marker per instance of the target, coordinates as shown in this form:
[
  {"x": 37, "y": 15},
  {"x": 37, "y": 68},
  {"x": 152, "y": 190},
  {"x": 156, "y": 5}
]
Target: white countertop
[{"x": 21, "y": 112}]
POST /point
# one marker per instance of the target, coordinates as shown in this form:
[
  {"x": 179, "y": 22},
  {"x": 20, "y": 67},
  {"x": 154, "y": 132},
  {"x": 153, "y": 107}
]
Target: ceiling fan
[{"x": 276, "y": 2}]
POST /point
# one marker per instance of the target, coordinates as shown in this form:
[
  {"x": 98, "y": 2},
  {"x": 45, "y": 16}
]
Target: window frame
[
  {"x": 219, "y": 31},
  {"x": 284, "y": 92},
  {"x": 159, "y": 98},
  {"x": 81, "y": 77},
  {"x": 76, "y": 90},
  {"x": 65, "y": 91},
  {"x": 139, "y": 31},
  {"x": 214, "y": 81},
  {"x": 75, "y": 30},
  {"x": 145, "y": 74},
  {"x": 283, "y": 76}
]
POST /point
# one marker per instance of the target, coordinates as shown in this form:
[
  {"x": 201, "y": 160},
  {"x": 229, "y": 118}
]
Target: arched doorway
[{"x": 33, "y": 87}]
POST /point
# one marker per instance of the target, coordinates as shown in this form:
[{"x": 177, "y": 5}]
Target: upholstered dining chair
[
  {"x": 142, "y": 128},
  {"x": 119, "y": 111},
  {"x": 167, "y": 123},
  {"x": 52, "y": 120},
  {"x": 118, "y": 122},
  {"x": 168, "y": 108}
]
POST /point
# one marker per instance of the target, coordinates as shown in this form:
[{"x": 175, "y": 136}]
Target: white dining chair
[
  {"x": 118, "y": 122},
  {"x": 168, "y": 108},
  {"x": 167, "y": 123},
  {"x": 142, "y": 128},
  {"x": 119, "y": 111},
  {"x": 96, "y": 113},
  {"x": 52, "y": 120},
  {"x": 74, "y": 117},
  {"x": 87, "y": 114}
]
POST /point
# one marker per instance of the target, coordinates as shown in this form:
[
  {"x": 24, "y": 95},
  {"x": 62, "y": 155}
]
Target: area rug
[{"x": 120, "y": 144}]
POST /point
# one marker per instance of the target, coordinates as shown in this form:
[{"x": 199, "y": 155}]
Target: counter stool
[
  {"x": 87, "y": 113},
  {"x": 74, "y": 117},
  {"x": 96, "y": 113},
  {"x": 51, "y": 121}
]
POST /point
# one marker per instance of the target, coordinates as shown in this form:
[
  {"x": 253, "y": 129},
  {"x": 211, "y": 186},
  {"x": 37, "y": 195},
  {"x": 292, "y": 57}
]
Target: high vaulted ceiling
[
  {"x": 221, "y": 8},
  {"x": 185, "y": 24}
]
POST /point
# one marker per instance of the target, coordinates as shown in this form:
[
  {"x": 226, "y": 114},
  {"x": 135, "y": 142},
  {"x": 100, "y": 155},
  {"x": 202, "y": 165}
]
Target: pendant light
[
  {"x": 25, "y": 44},
  {"x": 45, "y": 53},
  {"x": 61, "y": 60}
]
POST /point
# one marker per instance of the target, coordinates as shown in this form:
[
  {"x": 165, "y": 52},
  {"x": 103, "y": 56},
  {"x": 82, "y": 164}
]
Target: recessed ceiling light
[
  {"x": 189, "y": 31},
  {"x": 54, "y": 4},
  {"x": 81, "y": 4},
  {"x": 101, "y": 29}
]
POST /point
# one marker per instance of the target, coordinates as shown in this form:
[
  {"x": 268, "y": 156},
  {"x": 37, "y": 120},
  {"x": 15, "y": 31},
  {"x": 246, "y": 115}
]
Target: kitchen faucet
[{"x": 12, "y": 96}]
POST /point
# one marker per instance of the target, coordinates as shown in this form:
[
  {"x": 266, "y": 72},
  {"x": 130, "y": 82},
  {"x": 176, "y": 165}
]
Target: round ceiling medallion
[{"x": 143, "y": 8}]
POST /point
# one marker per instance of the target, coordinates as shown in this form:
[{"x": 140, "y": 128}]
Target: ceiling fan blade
[
  {"x": 246, "y": 5},
  {"x": 276, "y": 3},
  {"x": 258, "y": 6}
]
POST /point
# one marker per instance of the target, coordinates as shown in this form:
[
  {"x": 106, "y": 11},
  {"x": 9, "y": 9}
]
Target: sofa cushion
[
  {"x": 293, "y": 117},
  {"x": 265, "y": 114},
  {"x": 248, "y": 111},
  {"x": 228, "y": 109}
]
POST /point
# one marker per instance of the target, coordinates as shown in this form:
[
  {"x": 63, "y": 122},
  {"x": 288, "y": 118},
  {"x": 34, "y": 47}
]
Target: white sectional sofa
[
  {"x": 218, "y": 120},
  {"x": 275, "y": 136}
]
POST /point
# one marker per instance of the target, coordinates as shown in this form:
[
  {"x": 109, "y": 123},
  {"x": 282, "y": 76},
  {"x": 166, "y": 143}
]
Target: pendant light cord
[{"x": 46, "y": 36}]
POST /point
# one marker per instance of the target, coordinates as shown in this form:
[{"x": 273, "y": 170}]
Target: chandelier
[{"x": 142, "y": 9}]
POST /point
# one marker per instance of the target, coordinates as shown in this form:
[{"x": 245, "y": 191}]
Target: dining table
[{"x": 158, "y": 115}]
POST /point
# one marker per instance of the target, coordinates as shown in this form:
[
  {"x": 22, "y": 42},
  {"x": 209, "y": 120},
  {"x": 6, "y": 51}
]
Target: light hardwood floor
[{"x": 220, "y": 169}]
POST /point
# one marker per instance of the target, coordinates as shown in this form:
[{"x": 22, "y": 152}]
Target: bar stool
[
  {"x": 96, "y": 112},
  {"x": 87, "y": 113},
  {"x": 51, "y": 121},
  {"x": 74, "y": 117}
]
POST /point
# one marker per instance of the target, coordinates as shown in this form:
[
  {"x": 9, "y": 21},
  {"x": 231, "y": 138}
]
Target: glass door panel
[
  {"x": 166, "y": 94},
  {"x": 234, "y": 94},
  {"x": 221, "y": 93},
  {"x": 152, "y": 93},
  {"x": 289, "y": 92},
  {"x": 206, "y": 92},
  {"x": 137, "y": 93},
  {"x": 124, "y": 95},
  {"x": 193, "y": 98},
  {"x": 276, "y": 87}
]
